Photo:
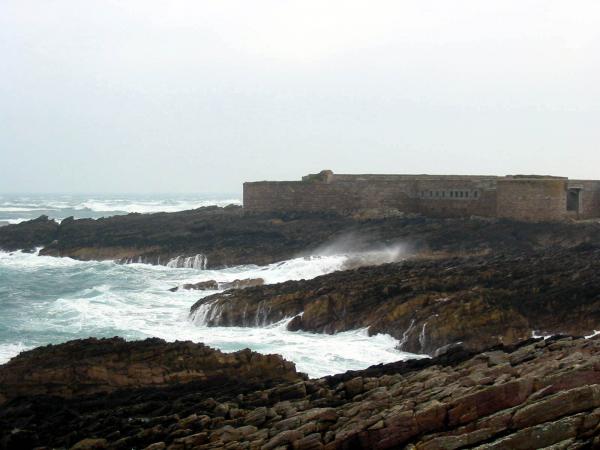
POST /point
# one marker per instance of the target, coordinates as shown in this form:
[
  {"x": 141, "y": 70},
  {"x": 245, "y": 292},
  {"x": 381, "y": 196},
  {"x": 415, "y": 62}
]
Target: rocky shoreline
[
  {"x": 428, "y": 304},
  {"x": 214, "y": 237},
  {"x": 468, "y": 292},
  {"x": 536, "y": 394}
]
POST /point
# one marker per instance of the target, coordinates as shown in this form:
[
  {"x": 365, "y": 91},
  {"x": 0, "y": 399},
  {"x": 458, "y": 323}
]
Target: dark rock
[
  {"x": 228, "y": 236},
  {"x": 432, "y": 305},
  {"x": 551, "y": 400},
  {"x": 212, "y": 285},
  {"x": 242, "y": 284},
  {"x": 89, "y": 366},
  {"x": 28, "y": 235}
]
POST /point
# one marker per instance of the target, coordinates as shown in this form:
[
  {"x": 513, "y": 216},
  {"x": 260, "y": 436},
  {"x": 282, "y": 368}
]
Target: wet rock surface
[
  {"x": 214, "y": 237},
  {"x": 89, "y": 366},
  {"x": 536, "y": 394},
  {"x": 212, "y": 285},
  {"x": 429, "y": 304}
]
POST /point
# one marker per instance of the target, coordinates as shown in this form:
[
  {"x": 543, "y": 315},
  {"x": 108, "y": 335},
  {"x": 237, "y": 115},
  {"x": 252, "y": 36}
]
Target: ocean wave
[
  {"x": 58, "y": 299},
  {"x": 15, "y": 221},
  {"x": 150, "y": 207},
  {"x": 19, "y": 209},
  {"x": 10, "y": 350},
  {"x": 32, "y": 261},
  {"x": 94, "y": 207}
]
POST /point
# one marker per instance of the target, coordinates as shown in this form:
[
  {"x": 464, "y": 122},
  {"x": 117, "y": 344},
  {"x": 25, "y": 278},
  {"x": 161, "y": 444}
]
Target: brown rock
[
  {"x": 90, "y": 444},
  {"x": 558, "y": 405},
  {"x": 354, "y": 387},
  {"x": 87, "y": 366},
  {"x": 242, "y": 284},
  {"x": 283, "y": 438},
  {"x": 488, "y": 401},
  {"x": 540, "y": 436},
  {"x": 310, "y": 442}
]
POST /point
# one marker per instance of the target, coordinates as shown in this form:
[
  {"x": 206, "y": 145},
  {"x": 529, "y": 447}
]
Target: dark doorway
[{"x": 573, "y": 199}]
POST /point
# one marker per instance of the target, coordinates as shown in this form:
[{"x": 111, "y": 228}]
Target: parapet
[{"x": 324, "y": 176}]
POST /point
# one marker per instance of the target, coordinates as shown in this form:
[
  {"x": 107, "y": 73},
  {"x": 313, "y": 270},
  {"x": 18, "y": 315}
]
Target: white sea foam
[
  {"x": 18, "y": 209},
  {"x": 32, "y": 261},
  {"x": 150, "y": 206},
  {"x": 52, "y": 300},
  {"x": 10, "y": 350},
  {"x": 61, "y": 206}
]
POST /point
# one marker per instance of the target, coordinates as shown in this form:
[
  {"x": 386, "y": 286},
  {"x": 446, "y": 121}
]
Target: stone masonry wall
[
  {"x": 590, "y": 198},
  {"x": 436, "y": 196},
  {"x": 340, "y": 197},
  {"x": 527, "y": 198},
  {"x": 532, "y": 199},
  {"x": 456, "y": 196}
]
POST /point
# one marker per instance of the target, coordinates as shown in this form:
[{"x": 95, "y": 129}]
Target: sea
[{"x": 47, "y": 300}]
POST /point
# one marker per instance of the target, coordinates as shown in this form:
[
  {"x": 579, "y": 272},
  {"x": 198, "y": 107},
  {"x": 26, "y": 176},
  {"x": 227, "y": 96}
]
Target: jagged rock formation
[
  {"x": 89, "y": 366},
  {"x": 214, "y": 237},
  {"x": 212, "y": 285},
  {"x": 428, "y": 304},
  {"x": 538, "y": 394},
  {"x": 35, "y": 233}
]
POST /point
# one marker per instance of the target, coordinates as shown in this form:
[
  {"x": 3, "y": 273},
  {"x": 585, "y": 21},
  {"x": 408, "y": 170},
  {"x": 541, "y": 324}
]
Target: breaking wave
[
  {"x": 50, "y": 300},
  {"x": 19, "y": 208}
]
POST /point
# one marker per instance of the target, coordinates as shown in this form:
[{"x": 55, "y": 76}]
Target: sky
[{"x": 198, "y": 96}]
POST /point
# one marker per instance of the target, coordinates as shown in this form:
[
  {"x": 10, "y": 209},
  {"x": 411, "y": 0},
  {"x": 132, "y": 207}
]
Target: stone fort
[{"x": 518, "y": 197}]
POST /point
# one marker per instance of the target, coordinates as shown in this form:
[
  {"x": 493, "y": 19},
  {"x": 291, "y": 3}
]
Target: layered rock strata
[
  {"x": 90, "y": 366},
  {"x": 538, "y": 394},
  {"x": 428, "y": 304}
]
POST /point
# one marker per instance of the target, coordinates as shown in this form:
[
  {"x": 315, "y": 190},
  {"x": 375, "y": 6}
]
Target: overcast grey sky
[{"x": 196, "y": 96}]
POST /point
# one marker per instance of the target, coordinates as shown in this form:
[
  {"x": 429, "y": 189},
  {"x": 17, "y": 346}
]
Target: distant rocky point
[{"x": 214, "y": 237}]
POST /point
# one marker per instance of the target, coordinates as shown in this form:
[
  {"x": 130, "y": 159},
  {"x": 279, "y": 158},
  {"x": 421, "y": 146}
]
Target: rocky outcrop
[
  {"x": 35, "y": 233},
  {"x": 242, "y": 284},
  {"x": 537, "y": 394},
  {"x": 428, "y": 304},
  {"x": 89, "y": 366},
  {"x": 214, "y": 237},
  {"x": 212, "y": 285},
  {"x": 209, "y": 285}
]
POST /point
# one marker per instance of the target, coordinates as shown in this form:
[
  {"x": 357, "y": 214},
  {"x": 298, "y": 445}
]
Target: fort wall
[
  {"x": 532, "y": 199},
  {"x": 342, "y": 197},
  {"x": 589, "y": 201},
  {"x": 529, "y": 198},
  {"x": 455, "y": 196}
]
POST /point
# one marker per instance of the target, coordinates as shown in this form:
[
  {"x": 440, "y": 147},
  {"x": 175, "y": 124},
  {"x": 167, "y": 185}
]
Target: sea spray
[
  {"x": 50, "y": 300},
  {"x": 198, "y": 261}
]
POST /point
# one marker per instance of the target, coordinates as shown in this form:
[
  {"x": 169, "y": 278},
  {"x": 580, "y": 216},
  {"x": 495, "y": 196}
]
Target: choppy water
[
  {"x": 50, "y": 300},
  {"x": 15, "y": 208}
]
